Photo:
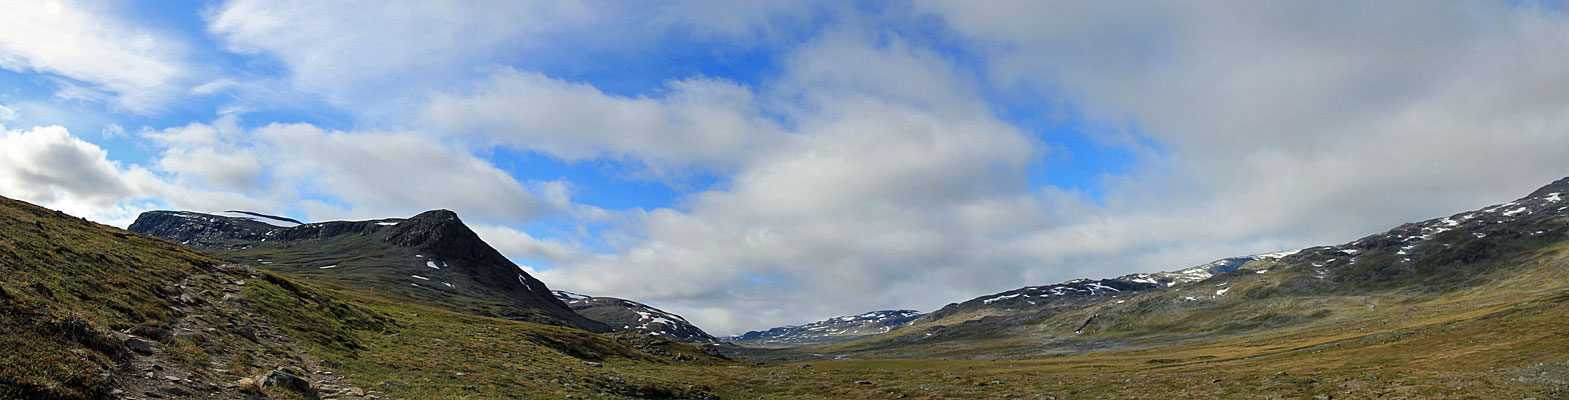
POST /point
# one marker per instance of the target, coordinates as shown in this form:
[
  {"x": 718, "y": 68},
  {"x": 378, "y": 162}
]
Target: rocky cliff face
[{"x": 431, "y": 258}]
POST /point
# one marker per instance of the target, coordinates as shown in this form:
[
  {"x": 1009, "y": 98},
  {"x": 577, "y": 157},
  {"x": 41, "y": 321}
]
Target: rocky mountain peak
[{"x": 432, "y": 256}]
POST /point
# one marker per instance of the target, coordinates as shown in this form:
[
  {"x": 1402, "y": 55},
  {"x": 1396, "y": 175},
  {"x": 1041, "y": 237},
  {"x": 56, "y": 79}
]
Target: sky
[{"x": 757, "y": 164}]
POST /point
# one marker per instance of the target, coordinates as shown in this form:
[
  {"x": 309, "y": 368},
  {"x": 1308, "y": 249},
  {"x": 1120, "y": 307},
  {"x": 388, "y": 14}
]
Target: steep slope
[
  {"x": 431, "y": 258},
  {"x": 630, "y": 316},
  {"x": 832, "y": 330},
  {"x": 1415, "y": 263}
]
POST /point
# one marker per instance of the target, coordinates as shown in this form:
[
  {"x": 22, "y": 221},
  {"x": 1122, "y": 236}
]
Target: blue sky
[{"x": 756, "y": 164}]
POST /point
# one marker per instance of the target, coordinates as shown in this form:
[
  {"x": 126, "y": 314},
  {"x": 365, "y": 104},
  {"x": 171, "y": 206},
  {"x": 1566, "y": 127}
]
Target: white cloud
[
  {"x": 390, "y": 173},
  {"x": 135, "y": 67},
  {"x": 861, "y": 197},
  {"x": 1257, "y": 129},
  {"x": 516, "y": 243},
  {"x": 50, "y": 167},
  {"x": 347, "y": 175},
  {"x": 1307, "y": 122},
  {"x": 362, "y": 54},
  {"x": 700, "y": 122}
]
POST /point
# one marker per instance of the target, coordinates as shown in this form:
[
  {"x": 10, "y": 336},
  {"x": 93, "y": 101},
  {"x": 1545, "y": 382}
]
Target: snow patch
[
  {"x": 420, "y": 277},
  {"x": 269, "y": 221},
  {"x": 432, "y": 264},
  {"x": 1221, "y": 292},
  {"x": 999, "y": 298},
  {"x": 569, "y": 295},
  {"x": 386, "y": 223},
  {"x": 525, "y": 283},
  {"x": 330, "y": 266}
]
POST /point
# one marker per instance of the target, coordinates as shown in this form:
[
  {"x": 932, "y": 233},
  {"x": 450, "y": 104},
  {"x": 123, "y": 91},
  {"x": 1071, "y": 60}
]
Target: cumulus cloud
[
  {"x": 1254, "y": 129},
  {"x": 363, "y": 53},
  {"x": 342, "y": 174},
  {"x": 517, "y": 243},
  {"x": 861, "y": 195},
  {"x": 100, "y": 56},
  {"x": 50, "y": 167},
  {"x": 875, "y": 165},
  {"x": 1301, "y": 122},
  {"x": 393, "y": 173},
  {"x": 699, "y": 122}
]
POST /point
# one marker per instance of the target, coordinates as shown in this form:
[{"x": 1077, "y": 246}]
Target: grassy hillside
[
  {"x": 90, "y": 311},
  {"x": 1501, "y": 340},
  {"x": 431, "y": 258}
]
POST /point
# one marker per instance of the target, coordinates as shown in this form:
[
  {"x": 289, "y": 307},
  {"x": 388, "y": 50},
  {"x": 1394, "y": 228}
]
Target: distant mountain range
[
  {"x": 1414, "y": 261},
  {"x": 630, "y": 316},
  {"x": 832, "y": 330},
  {"x": 1469, "y": 305}
]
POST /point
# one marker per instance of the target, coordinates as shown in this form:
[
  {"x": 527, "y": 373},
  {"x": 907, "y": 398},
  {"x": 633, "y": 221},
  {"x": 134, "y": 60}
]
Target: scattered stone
[
  {"x": 1281, "y": 373},
  {"x": 1323, "y": 397},
  {"x": 353, "y": 391},
  {"x": 806, "y": 365},
  {"x": 143, "y": 347},
  {"x": 151, "y": 332},
  {"x": 594, "y": 364},
  {"x": 177, "y": 392},
  {"x": 394, "y": 385},
  {"x": 245, "y": 382},
  {"x": 289, "y": 382},
  {"x": 863, "y": 382}
]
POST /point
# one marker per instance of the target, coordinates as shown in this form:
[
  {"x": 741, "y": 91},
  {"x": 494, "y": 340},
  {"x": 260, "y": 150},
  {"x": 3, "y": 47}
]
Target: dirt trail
[{"x": 238, "y": 353}]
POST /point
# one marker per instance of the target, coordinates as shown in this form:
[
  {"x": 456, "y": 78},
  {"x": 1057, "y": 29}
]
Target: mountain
[
  {"x": 431, "y": 258},
  {"x": 832, "y": 330},
  {"x": 1429, "y": 262},
  {"x": 1079, "y": 292},
  {"x": 630, "y": 316},
  {"x": 89, "y": 311}
]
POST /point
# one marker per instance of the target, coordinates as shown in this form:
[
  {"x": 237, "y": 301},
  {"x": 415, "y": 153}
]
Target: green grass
[
  {"x": 416, "y": 351},
  {"x": 65, "y": 283}
]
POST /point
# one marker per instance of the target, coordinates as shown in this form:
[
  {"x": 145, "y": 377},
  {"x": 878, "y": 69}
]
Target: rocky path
[{"x": 236, "y": 353}]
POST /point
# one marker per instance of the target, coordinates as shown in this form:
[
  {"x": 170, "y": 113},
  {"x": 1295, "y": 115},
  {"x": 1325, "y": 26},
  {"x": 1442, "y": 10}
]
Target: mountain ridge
[
  {"x": 431, "y": 257},
  {"x": 1415, "y": 261},
  {"x": 630, "y": 316},
  {"x": 832, "y": 330}
]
